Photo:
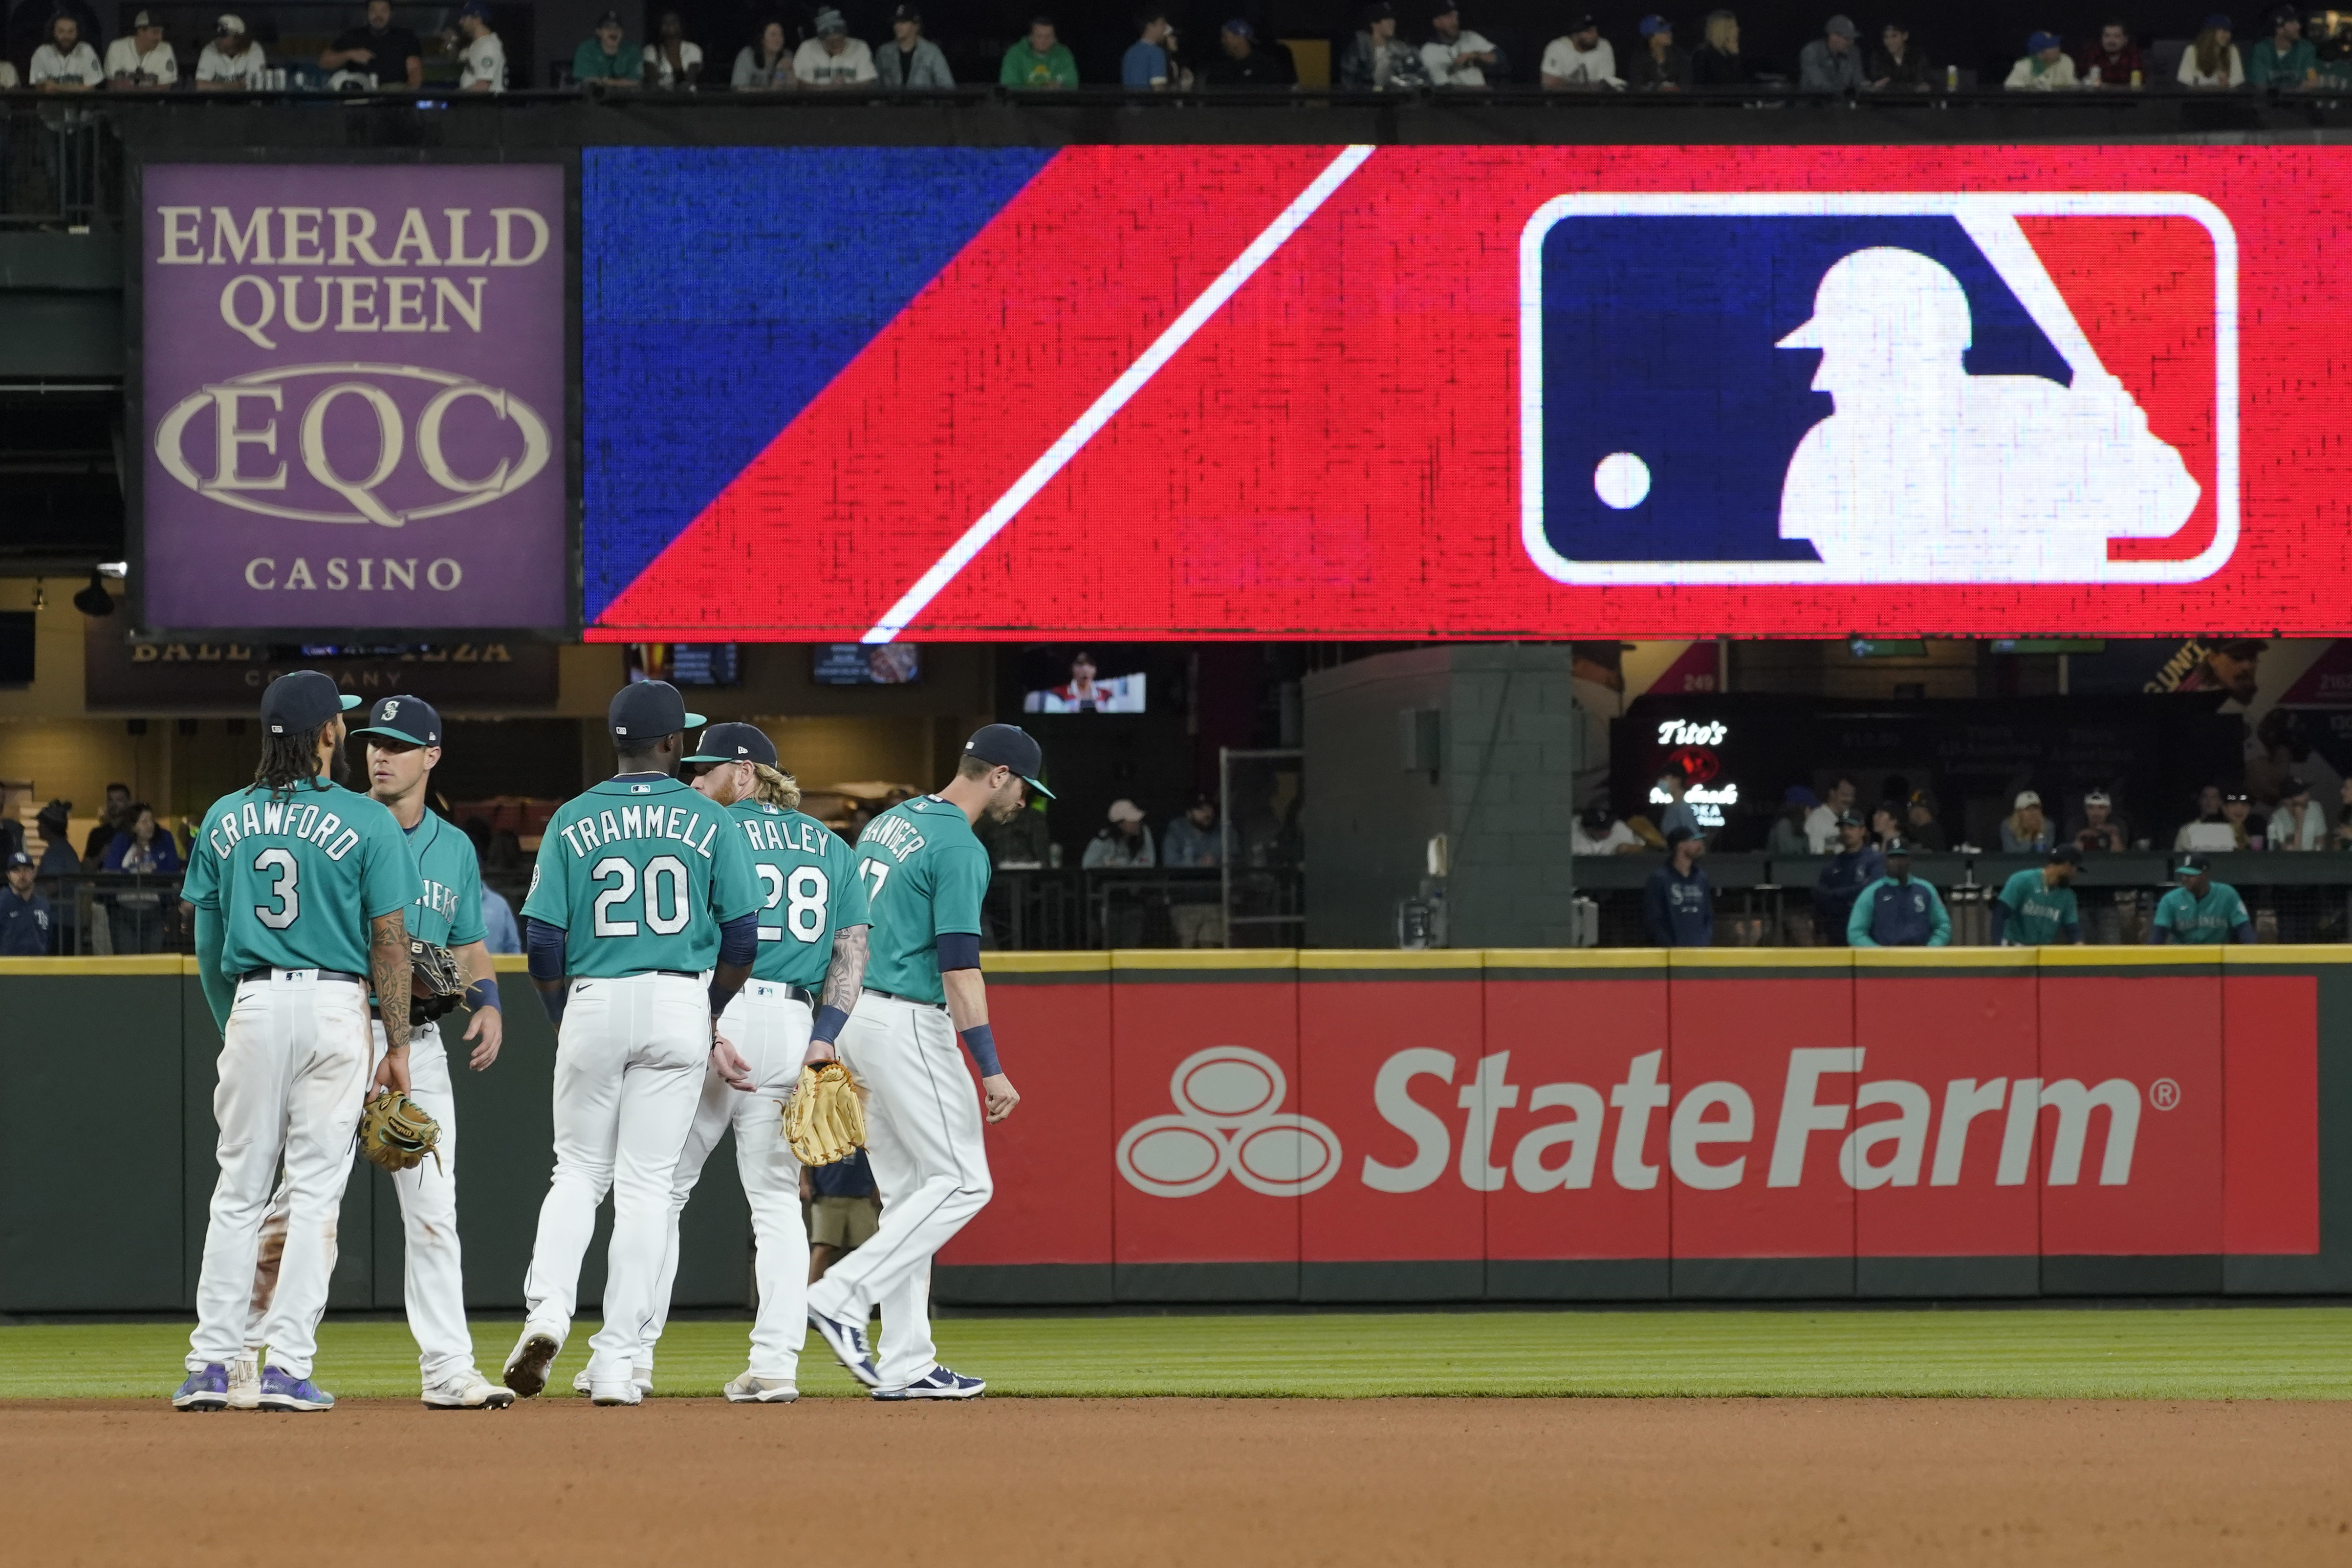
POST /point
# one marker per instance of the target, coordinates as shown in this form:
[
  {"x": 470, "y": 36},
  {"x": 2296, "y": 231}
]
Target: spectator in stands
[
  {"x": 1598, "y": 830},
  {"x": 57, "y": 857},
  {"x": 1678, "y": 812},
  {"x": 1787, "y": 833},
  {"x": 1831, "y": 63},
  {"x": 2112, "y": 61},
  {"x": 25, "y": 924},
  {"x": 1455, "y": 57},
  {"x": 1658, "y": 66},
  {"x": 500, "y": 934},
  {"x": 832, "y": 58},
  {"x": 1040, "y": 60},
  {"x": 232, "y": 62},
  {"x": 1920, "y": 827},
  {"x": 1897, "y": 64},
  {"x": 392, "y": 56},
  {"x": 111, "y": 820},
  {"x": 1898, "y": 910},
  {"x": 2199, "y": 911},
  {"x": 1376, "y": 58},
  {"x": 8, "y": 83},
  {"x": 1885, "y": 824},
  {"x": 673, "y": 64},
  {"x": 1149, "y": 62},
  {"x": 1241, "y": 63},
  {"x": 2342, "y": 840},
  {"x": 911, "y": 61},
  {"x": 606, "y": 57},
  {"x": 2044, "y": 68},
  {"x": 1580, "y": 60},
  {"x": 2099, "y": 831},
  {"x": 1822, "y": 823},
  {"x": 142, "y": 58},
  {"x": 1125, "y": 844},
  {"x": 1716, "y": 61},
  {"x": 1678, "y": 901},
  {"x": 1195, "y": 839},
  {"x": 2212, "y": 63},
  {"x": 2036, "y": 907},
  {"x": 2209, "y": 832},
  {"x": 2025, "y": 830},
  {"x": 482, "y": 63},
  {"x": 2286, "y": 61},
  {"x": 843, "y": 1210},
  {"x": 2238, "y": 811},
  {"x": 64, "y": 63},
  {"x": 1855, "y": 866},
  {"x": 136, "y": 916},
  {"x": 2297, "y": 822},
  {"x": 765, "y": 64}
]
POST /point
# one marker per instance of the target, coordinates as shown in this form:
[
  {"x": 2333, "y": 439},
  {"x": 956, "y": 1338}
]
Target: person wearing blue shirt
[
  {"x": 499, "y": 932},
  {"x": 2199, "y": 910},
  {"x": 1898, "y": 910},
  {"x": 1147, "y": 63},
  {"x": 1855, "y": 866},
  {"x": 1679, "y": 813},
  {"x": 1678, "y": 903}
]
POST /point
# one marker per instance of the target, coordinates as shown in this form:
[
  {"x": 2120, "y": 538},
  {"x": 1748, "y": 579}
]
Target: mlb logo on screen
[{"x": 1880, "y": 388}]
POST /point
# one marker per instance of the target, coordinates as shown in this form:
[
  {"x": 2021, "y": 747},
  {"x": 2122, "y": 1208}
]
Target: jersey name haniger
[
  {"x": 282, "y": 818},
  {"x": 681, "y": 823},
  {"x": 899, "y": 836}
]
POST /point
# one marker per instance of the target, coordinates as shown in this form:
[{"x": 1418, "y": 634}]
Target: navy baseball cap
[
  {"x": 2191, "y": 866},
  {"x": 734, "y": 743},
  {"x": 301, "y": 701},
  {"x": 18, "y": 858},
  {"x": 644, "y": 710},
  {"x": 1011, "y": 746},
  {"x": 2065, "y": 854},
  {"x": 403, "y": 717},
  {"x": 1895, "y": 846}
]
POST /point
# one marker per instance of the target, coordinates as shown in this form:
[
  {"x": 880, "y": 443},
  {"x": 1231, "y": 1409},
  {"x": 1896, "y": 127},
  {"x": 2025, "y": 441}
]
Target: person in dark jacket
[
  {"x": 1897, "y": 65},
  {"x": 1716, "y": 61},
  {"x": 1678, "y": 904},
  {"x": 1856, "y": 865},
  {"x": 1658, "y": 66},
  {"x": 1898, "y": 910},
  {"x": 25, "y": 924}
]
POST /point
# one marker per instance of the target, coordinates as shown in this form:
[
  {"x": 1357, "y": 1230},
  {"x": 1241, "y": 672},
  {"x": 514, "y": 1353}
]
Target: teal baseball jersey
[
  {"x": 2212, "y": 918},
  {"x": 925, "y": 874},
  {"x": 640, "y": 872},
  {"x": 2037, "y": 915},
  {"x": 449, "y": 909},
  {"x": 297, "y": 877},
  {"x": 810, "y": 881}
]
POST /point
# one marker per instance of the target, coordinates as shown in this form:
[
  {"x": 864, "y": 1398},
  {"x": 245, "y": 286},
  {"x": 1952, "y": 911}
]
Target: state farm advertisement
[
  {"x": 352, "y": 397},
  {"x": 1929, "y": 1115}
]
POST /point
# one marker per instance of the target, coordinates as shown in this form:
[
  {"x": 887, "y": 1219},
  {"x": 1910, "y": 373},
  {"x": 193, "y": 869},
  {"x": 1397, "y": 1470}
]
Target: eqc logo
[{"x": 1876, "y": 389}]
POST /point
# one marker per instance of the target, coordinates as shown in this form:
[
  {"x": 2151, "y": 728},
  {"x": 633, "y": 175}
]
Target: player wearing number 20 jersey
[{"x": 640, "y": 872}]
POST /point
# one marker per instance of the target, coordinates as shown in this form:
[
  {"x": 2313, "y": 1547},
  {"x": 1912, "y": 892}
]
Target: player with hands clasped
[
  {"x": 925, "y": 873},
  {"x": 642, "y": 887},
  {"x": 299, "y": 887},
  {"x": 403, "y": 744},
  {"x": 804, "y": 984}
]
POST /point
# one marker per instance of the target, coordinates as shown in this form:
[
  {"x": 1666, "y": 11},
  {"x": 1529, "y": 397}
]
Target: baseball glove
[
  {"x": 825, "y": 1122},
  {"x": 434, "y": 986},
  {"x": 396, "y": 1133}
]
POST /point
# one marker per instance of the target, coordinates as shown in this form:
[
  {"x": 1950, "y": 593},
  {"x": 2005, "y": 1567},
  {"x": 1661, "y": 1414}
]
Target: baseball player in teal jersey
[
  {"x": 2200, "y": 910},
  {"x": 2036, "y": 908},
  {"x": 299, "y": 887},
  {"x": 925, "y": 873},
  {"x": 404, "y": 743},
  {"x": 804, "y": 984},
  {"x": 642, "y": 887}
]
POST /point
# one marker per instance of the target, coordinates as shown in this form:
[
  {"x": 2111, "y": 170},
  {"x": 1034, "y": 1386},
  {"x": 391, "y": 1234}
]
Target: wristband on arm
[
  {"x": 981, "y": 1041},
  {"x": 828, "y": 1027},
  {"x": 483, "y": 993}
]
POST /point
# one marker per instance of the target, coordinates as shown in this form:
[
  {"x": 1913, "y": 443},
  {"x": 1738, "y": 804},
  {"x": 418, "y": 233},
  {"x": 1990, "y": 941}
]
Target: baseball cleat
[
  {"x": 526, "y": 1370},
  {"x": 282, "y": 1391},
  {"x": 847, "y": 1344},
  {"x": 469, "y": 1390},
  {"x": 205, "y": 1390},
  {"x": 937, "y": 1383},
  {"x": 643, "y": 1376},
  {"x": 243, "y": 1384},
  {"x": 626, "y": 1393},
  {"x": 752, "y": 1389}
]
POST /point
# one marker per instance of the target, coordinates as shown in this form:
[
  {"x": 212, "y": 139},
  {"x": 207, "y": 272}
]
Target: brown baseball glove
[
  {"x": 396, "y": 1133},
  {"x": 824, "y": 1121},
  {"x": 434, "y": 986}
]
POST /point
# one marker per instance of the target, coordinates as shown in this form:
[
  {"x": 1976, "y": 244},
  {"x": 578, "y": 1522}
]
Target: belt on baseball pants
[
  {"x": 911, "y": 1001},
  {"x": 268, "y": 973},
  {"x": 799, "y": 993}
]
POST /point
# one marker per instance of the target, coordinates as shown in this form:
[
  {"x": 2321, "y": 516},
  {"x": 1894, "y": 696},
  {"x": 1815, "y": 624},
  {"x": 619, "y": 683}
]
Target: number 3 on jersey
[{"x": 804, "y": 894}]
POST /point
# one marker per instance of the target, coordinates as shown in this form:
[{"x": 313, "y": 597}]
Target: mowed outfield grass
[{"x": 2231, "y": 1353}]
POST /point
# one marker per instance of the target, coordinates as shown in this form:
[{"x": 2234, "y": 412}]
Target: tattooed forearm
[
  {"x": 388, "y": 966},
  {"x": 846, "y": 973}
]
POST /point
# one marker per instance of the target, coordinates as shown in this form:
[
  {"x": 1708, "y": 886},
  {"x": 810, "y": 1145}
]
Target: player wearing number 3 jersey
[{"x": 643, "y": 886}]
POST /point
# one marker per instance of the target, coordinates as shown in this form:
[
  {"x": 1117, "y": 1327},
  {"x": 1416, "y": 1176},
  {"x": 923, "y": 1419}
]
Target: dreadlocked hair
[
  {"x": 287, "y": 763},
  {"x": 780, "y": 789}
]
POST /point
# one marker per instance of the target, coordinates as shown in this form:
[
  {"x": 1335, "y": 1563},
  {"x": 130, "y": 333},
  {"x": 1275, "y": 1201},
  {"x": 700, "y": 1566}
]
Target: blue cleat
[
  {"x": 937, "y": 1383},
  {"x": 281, "y": 1390},
  {"x": 847, "y": 1344},
  {"x": 206, "y": 1389}
]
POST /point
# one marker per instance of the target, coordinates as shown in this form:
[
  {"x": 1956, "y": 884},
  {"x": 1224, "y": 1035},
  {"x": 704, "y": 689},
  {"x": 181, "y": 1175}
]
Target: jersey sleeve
[
  {"x": 202, "y": 885},
  {"x": 388, "y": 879},
  {"x": 958, "y": 884},
  {"x": 547, "y": 902},
  {"x": 851, "y": 906},
  {"x": 735, "y": 890},
  {"x": 467, "y": 927}
]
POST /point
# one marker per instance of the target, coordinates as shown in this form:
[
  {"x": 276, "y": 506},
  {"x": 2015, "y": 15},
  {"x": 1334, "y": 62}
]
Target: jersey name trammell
[
  {"x": 895, "y": 834},
  {"x": 681, "y": 823},
  {"x": 283, "y": 819}
]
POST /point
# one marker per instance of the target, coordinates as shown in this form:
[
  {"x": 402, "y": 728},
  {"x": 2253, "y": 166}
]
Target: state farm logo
[
  {"x": 387, "y": 444},
  {"x": 1229, "y": 1121}
]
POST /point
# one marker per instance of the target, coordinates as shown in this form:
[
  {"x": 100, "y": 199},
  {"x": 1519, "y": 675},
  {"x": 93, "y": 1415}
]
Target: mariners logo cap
[
  {"x": 301, "y": 701},
  {"x": 644, "y": 710},
  {"x": 734, "y": 743},
  {"x": 1011, "y": 746},
  {"x": 1895, "y": 846},
  {"x": 2191, "y": 866},
  {"x": 407, "y": 719}
]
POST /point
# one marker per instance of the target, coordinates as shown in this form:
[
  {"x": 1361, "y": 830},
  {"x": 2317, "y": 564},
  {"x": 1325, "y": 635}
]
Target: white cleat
[
  {"x": 526, "y": 1370},
  {"x": 616, "y": 1394},
  {"x": 469, "y": 1390},
  {"x": 752, "y": 1389},
  {"x": 245, "y": 1383},
  {"x": 643, "y": 1376}
]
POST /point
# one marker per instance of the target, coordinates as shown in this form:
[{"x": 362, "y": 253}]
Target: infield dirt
[{"x": 1477, "y": 1482}]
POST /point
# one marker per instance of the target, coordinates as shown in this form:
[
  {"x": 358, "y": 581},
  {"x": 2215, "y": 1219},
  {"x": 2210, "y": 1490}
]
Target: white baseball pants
[
  {"x": 432, "y": 1274},
  {"x": 772, "y": 1030},
  {"x": 293, "y": 1074},
  {"x": 923, "y": 1139},
  {"x": 629, "y": 1064}
]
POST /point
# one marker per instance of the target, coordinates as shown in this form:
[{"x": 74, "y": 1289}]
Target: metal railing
[{"x": 102, "y": 913}]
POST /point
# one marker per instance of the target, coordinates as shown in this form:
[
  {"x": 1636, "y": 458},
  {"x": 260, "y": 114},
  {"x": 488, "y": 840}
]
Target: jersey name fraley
[
  {"x": 282, "y": 818},
  {"x": 781, "y": 834},
  {"x": 680, "y": 823}
]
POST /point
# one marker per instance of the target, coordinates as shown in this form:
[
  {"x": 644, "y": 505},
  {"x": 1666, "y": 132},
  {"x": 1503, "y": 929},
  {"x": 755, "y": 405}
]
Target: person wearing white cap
[
  {"x": 1125, "y": 843},
  {"x": 832, "y": 58},
  {"x": 232, "y": 62},
  {"x": 2026, "y": 830},
  {"x": 142, "y": 57}
]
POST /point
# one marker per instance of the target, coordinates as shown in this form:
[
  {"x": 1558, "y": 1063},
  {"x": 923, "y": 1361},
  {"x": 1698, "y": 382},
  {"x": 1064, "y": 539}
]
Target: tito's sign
[{"x": 352, "y": 396}]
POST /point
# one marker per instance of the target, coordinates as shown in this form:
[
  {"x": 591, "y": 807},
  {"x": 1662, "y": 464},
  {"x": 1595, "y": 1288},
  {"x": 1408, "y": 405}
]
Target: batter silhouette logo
[
  {"x": 1229, "y": 1121},
  {"x": 1878, "y": 389}
]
